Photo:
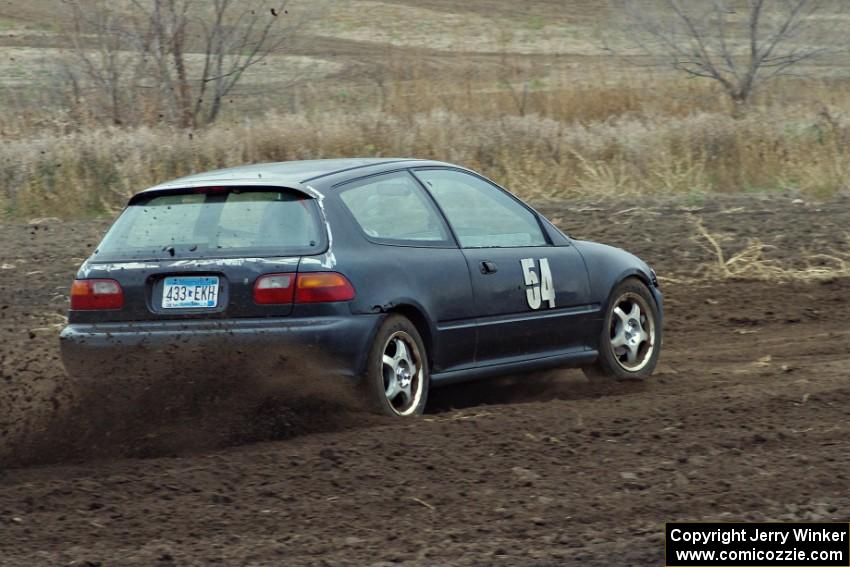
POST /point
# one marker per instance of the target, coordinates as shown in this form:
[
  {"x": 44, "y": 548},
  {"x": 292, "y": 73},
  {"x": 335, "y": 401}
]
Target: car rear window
[{"x": 218, "y": 224}]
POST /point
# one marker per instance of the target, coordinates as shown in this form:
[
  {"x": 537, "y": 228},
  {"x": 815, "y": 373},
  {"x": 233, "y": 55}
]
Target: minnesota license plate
[{"x": 195, "y": 292}]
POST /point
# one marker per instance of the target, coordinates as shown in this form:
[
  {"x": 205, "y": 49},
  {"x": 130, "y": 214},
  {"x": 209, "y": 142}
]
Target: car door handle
[{"x": 488, "y": 267}]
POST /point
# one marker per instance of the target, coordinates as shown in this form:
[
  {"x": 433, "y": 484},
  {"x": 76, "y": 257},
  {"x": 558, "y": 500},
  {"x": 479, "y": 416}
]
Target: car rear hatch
[{"x": 198, "y": 254}]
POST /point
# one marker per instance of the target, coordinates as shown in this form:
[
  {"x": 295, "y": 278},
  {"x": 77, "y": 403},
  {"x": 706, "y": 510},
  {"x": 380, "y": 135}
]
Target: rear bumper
[{"x": 335, "y": 346}]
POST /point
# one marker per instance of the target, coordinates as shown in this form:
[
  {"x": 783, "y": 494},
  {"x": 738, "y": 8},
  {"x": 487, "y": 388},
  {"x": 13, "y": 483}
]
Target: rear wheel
[
  {"x": 631, "y": 336},
  {"x": 396, "y": 382}
]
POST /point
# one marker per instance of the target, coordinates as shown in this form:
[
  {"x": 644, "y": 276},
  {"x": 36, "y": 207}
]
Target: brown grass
[
  {"x": 751, "y": 263},
  {"x": 602, "y": 133}
]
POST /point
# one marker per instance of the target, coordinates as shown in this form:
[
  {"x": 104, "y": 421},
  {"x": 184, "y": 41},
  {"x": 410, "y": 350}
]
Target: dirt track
[{"x": 746, "y": 419}]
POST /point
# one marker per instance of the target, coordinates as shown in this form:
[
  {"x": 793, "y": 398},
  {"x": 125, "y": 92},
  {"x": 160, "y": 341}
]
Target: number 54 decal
[{"x": 538, "y": 288}]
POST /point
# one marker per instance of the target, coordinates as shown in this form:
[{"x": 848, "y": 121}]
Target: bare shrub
[
  {"x": 174, "y": 61},
  {"x": 739, "y": 44}
]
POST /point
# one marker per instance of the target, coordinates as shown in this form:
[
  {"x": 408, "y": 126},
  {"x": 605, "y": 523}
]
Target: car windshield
[{"x": 220, "y": 224}]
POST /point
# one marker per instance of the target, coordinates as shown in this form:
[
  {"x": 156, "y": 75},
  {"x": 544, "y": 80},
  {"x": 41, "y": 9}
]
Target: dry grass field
[{"x": 532, "y": 94}]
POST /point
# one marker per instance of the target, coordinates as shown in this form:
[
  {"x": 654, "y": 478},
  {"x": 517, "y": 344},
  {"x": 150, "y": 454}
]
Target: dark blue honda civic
[{"x": 396, "y": 274}]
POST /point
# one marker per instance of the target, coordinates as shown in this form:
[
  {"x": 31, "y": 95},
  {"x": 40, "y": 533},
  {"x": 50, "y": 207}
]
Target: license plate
[{"x": 196, "y": 292}]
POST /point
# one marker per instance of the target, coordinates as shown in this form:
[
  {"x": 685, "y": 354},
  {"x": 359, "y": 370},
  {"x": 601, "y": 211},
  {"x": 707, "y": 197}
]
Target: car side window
[
  {"x": 481, "y": 214},
  {"x": 393, "y": 208}
]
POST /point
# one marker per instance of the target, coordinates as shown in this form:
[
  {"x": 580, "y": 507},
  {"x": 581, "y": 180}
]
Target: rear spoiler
[{"x": 213, "y": 189}]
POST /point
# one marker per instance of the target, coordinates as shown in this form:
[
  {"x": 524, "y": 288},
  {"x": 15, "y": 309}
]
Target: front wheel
[
  {"x": 631, "y": 334},
  {"x": 396, "y": 381}
]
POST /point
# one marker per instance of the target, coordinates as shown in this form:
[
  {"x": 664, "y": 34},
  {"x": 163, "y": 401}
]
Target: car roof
[{"x": 291, "y": 174}]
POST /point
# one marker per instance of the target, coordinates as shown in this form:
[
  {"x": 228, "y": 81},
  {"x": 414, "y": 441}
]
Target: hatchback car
[{"x": 396, "y": 274}]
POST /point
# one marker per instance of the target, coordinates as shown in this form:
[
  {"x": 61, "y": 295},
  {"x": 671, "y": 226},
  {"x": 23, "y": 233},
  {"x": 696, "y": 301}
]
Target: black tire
[
  {"x": 614, "y": 361},
  {"x": 379, "y": 375}
]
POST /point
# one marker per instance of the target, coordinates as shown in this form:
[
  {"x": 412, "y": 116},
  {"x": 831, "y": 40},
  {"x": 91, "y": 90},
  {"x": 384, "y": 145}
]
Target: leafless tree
[
  {"x": 100, "y": 69},
  {"x": 738, "y": 43},
  {"x": 191, "y": 53}
]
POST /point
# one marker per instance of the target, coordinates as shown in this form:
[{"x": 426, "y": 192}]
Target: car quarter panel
[{"x": 433, "y": 280}]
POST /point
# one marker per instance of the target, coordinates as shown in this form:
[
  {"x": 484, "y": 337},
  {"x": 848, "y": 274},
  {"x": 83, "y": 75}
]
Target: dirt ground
[{"x": 746, "y": 418}]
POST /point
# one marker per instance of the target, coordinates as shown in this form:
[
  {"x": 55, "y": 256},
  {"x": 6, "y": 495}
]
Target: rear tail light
[
  {"x": 317, "y": 287},
  {"x": 88, "y": 295},
  {"x": 274, "y": 289}
]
